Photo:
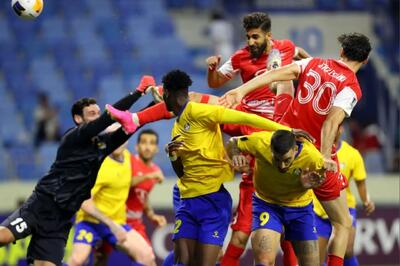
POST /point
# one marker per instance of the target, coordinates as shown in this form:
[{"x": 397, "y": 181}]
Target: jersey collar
[
  {"x": 299, "y": 148},
  {"x": 181, "y": 111}
]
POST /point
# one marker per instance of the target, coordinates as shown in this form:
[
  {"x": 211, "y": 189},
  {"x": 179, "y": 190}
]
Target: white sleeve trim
[
  {"x": 346, "y": 99},
  {"x": 227, "y": 69},
  {"x": 303, "y": 63}
]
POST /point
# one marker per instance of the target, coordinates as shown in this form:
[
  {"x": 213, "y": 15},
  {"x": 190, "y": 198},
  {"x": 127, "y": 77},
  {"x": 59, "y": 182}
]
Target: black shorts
[{"x": 49, "y": 226}]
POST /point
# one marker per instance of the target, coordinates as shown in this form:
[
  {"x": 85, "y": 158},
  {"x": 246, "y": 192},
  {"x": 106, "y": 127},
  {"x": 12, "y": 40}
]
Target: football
[{"x": 28, "y": 9}]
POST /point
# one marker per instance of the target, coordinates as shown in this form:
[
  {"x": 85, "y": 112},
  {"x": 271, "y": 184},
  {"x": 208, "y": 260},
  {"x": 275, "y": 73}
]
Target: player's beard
[{"x": 257, "y": 51}]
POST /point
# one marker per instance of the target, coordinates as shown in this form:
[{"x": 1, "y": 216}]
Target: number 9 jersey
[{"x": 323, "y": 83}]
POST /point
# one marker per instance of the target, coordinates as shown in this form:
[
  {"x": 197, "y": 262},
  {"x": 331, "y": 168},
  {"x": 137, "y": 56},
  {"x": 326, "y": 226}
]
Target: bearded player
[
  {"x": 262, "y": 53},
  {"x": 328, "y": 91}
]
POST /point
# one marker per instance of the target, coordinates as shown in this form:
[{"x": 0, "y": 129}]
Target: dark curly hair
[
  {"x": 356, "y": 46},
  {"x": 257, "y": 20},
  {"x": 77, "y": 107},
  {"x": 282, "y": 141},
  {"x": 176, "y": 80}
]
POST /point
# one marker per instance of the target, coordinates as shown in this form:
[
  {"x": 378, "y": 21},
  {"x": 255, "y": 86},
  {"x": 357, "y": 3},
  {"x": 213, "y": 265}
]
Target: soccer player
[
  {"x": 59, "y": 194},
  {"x": 351, "y": 166},
  {"x": 327, "y": 92},
  {"x": 145, "y": 174},
  {"x": 284, "y": 172},
  {"x": 262, "y": 53},
  {"x": 204, "y": 210},
  {"x": 103, "y": 216}
]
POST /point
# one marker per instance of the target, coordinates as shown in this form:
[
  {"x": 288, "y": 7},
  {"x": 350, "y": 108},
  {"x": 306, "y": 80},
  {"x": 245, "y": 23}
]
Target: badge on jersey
[{"x": 186, "y": 127}]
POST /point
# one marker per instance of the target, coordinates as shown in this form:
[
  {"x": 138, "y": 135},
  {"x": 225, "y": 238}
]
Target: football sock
[
  {"x": 352, "y": 261},
  {"x": 232, "y": 255},
  {"x": 334, "y": 260}
]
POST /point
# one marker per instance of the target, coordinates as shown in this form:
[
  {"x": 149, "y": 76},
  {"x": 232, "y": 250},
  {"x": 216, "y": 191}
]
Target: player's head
[
  {"x": 258, "y": 32},
  {"x": 284, "y": 149},
  {"x": 147, "y": 144},
  {"x": 120, "y": 150},
  {"x": 176, "y": 85},
  {"x": 85, "y": 110},
  {"x": 355, "y": 47}
]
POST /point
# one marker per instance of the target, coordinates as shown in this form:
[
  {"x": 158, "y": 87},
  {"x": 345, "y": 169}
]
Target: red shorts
[
  {"x": 139, "y": 227},
  {"x": 243, "y": 218},
  {"x": 334, "y": 183},
  {"x": 282, "y": 103},
  {"x": 240, "y": 130}
]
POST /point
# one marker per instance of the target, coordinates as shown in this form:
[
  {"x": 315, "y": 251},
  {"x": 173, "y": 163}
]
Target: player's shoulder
[
  {"x": 283, "y": 44},
  {"x": 242, "y": 51},
  {"x": 309, "y": 149}
]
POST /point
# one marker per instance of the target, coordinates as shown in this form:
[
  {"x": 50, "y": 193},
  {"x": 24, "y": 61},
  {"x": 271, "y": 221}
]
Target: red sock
[
  {"x": 153, "y": 113},
  {"x": 232, "y": 256},
  {"x": 289, "y": 257},
  {"x": 334, "y": 260}
]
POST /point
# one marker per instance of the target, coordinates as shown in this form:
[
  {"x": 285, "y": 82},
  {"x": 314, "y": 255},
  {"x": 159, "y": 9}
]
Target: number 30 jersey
[{"x": 323, "y": 83}]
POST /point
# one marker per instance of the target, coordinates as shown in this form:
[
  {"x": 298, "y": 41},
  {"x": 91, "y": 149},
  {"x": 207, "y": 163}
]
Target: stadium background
[{"x": 101, "y": 48}]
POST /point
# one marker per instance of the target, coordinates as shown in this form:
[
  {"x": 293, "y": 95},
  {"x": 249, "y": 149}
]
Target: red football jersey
[
  {"x": 260, "y": 101},
  {"x": 323, "y": 83},
  {"x": 138, "y": 194}
]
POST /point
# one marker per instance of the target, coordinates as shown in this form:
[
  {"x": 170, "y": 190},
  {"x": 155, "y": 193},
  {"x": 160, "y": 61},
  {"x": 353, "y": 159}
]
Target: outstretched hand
[
  {"x": 311, "y": 179},
  {"x": 231, "y": 98},
  {"x": 173, "y": 147}
]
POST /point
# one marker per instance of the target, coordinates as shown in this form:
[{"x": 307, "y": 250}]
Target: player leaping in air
[
  {"x": 327, "y": 92},
  {"x": 59, "y": 194},
  {"x": 203, "y": 214}
]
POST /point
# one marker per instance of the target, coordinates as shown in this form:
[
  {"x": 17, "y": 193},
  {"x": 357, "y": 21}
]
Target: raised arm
[
  {"x": 286, "y": 73},
  {"x": 93, "y": 128},
  {"x": 215, "y": 78}
]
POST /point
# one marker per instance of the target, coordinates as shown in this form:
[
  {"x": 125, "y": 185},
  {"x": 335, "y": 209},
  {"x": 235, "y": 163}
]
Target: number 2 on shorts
[
  {"x": 178, "y": 224},
  {"x": 264, "y": 217}
]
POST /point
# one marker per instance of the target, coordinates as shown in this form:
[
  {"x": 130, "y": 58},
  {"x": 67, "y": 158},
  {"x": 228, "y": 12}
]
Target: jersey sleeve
[
  {"x": 206, "y": 114},
  {"x": 359, "y": 173},
  {"x": 254, "y": 143},
  {"x": 288, "y": 51},
  {"x": 314, "y": 157},
  {"x": 346, "y": 99},
  {"x": 303, "y": 64},
  {"x": 228, "y": 69}
]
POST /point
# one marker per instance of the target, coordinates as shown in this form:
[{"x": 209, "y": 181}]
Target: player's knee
[
  {"x": 239, "y": 239},
  {"x": 77, "y": 260},
  {"x": 343, "y": 224},
  {"x": 6, "y": 237},
  {"x": 145, "y": 256}
]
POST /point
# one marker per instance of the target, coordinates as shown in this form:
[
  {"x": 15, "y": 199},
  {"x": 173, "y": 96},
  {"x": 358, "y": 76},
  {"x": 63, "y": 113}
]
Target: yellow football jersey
[
  {"x": 273, "y": 186},
  {"x": 111, "y": 190},
  {"x": 203, "y": 156},
  {"x": 351, "y": 166}
]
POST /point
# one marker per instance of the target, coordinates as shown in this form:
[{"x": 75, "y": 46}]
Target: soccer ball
[{"x": 28, "y": 9}]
